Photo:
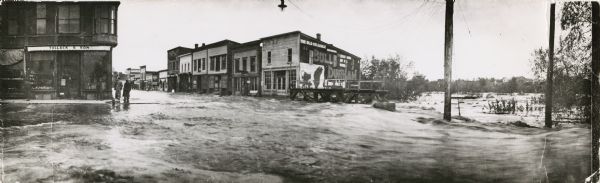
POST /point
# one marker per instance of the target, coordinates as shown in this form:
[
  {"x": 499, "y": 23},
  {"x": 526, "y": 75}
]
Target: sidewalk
[{"x": 23, "y": 101}]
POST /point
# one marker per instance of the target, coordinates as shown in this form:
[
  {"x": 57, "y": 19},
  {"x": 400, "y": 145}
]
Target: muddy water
[{"x": 198, "y": 138}]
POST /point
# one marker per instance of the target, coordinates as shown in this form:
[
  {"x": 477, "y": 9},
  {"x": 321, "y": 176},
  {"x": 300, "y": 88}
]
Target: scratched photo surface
[{"x": 299, "y": 91}]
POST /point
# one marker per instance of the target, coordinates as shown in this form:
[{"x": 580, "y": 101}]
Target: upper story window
[
  {"x": 68, "y": 19},
  {"x": 40, "y": 19},
  {"x": 203, "y": 63},
  {"x": 224, "y": 62},
  {"x": 105, "y": 20},
  {"x": 13, "y": 23},
  {"x": 268, "y": 57},
  {"x": 244, "y": 63},
  {"x": 212, "y": 63},
  {"x": 253, "y": 64},
  {"x": 237, "y": 65},
  {"x": 289, "y": 52}
]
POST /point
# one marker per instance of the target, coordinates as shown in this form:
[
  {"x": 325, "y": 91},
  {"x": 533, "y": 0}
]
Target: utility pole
[
  {"x": 549, "y": 74},
  {"x": 448, "y": 59},
  {"x": 595, "y": 88}
]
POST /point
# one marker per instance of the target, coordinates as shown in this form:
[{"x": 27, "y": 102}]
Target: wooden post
[
  {"x": 549, "y": 74},
  {"x": 448, "y": 59},
  {"x": 595, "y": 112}
]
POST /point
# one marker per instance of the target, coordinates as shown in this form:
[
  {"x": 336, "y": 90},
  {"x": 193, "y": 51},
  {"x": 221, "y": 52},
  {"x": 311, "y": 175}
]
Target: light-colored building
[
  {"x": 211, "y": 67},
  {"x": 185, "y": 72},
  {"x": 296, "y": 60},
  {"x": 163, "y": 82}
]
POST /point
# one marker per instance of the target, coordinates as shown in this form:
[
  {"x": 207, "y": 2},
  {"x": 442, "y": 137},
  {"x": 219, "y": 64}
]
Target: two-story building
[
  {"x": 162, "y": 80},
  {"x": 297, "y": 60},
  {"x": 185, "y": 72},
  {"x": 173, "y": 66},
  {"x": 211, "y": 67},
  {"x": 53, "y": 50},
  {"x": 247, "y": 68}
]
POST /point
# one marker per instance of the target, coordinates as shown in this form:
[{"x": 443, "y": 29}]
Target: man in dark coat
[{"x": 126, "y": 90}]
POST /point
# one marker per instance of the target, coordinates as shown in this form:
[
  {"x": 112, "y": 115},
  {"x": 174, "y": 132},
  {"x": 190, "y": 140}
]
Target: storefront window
[
  {"x": 68, "y": 19},
  {"x": 268, "y": 79},
  {"x": 40, "y": 70},
  {"x": 96, "y": 70},
  {"x": 292, "y": 79}
]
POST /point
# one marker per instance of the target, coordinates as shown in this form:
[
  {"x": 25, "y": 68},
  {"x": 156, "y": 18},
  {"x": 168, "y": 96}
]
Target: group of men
[{"x": 126, "y": 89}]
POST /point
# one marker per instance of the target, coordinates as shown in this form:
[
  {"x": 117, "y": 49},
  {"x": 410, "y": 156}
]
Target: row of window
[
  {"x": 243, "y": 66},
  {"x": 277, "y": 79},
  {"x": 69, "y": 19}
]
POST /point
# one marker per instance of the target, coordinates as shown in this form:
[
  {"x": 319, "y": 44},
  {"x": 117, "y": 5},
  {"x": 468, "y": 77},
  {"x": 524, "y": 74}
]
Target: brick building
[
  {"x": 211, "y": 67},
  {"x": 173, "y": 66},
  {"x": 53, "y": 50},
  {"x": 246, "y": 68}
]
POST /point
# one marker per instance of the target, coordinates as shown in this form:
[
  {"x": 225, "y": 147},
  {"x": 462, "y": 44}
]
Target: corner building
[{"x": 57, "y": 50}]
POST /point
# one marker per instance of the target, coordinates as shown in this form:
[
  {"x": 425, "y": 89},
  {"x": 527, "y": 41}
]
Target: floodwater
[{"x": 165, "y": 137}]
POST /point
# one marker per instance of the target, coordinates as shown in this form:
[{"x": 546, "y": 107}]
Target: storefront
[
  {"x": 69, "y": 72},
  {"x": 279, "y": 81}
]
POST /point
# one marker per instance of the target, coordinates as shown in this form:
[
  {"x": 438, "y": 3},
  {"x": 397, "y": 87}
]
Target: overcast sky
[{"x": 492, "y": 38}]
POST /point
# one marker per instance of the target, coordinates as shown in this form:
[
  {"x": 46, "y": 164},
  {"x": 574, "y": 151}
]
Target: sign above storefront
[{"x": 69, "y": 48}]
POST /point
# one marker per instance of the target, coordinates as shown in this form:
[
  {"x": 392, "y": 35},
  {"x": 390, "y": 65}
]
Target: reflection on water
[{"x": 239, "y": 139}]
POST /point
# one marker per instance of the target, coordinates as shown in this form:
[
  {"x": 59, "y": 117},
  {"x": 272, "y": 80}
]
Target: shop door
[
  {"x": 280, "y": 81},
  {"x": 69, "y": 72}
]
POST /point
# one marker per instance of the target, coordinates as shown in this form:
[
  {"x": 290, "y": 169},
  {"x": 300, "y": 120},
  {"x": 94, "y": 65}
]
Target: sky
[{"x": 492, "y": 38}]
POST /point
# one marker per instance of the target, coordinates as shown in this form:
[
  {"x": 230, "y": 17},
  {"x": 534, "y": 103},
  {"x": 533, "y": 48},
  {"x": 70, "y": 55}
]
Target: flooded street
[{"x": 165, "y": 137}]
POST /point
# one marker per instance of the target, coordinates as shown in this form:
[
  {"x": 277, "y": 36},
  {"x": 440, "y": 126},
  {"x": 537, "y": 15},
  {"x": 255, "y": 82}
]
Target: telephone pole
[
  {"x": 448, "y": 59},
  {"x": 595, "y": 88},
  {"x": 550, "y": 73}
]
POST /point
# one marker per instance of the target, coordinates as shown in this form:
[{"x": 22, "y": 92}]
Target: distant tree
[
  {"x": 572, "y": 59},
  {"x": 393, "y": 71}
]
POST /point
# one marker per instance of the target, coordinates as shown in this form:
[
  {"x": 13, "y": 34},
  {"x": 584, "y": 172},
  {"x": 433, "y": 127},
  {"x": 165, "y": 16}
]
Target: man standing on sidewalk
[
  {"x": 126, "y": 90},
  {"x": 118, "y": 86}
]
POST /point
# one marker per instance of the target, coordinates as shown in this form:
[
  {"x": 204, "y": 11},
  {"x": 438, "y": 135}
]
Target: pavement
[{"x": 23, "y": 101}]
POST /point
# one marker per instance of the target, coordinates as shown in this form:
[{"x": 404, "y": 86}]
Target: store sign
[
  {"x": 69, "y": 48},
  {"x": 307, "y": 42}
]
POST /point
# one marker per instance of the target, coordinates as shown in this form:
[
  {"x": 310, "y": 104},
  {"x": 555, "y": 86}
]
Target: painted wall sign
[
  {"x": 311, "y": 75},
  {"x": 69, "y": 48},
  {"x": 303, "y": 41}
]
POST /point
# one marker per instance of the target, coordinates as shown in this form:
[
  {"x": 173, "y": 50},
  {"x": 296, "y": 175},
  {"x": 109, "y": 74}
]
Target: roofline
[
  {"x": 313, "y": 38},
  {"x": 180, "y": 47},
  {"x": 215, "y": 44},
  {"x": 61, "y": 2},
  {"x": 282, "y": 34}
]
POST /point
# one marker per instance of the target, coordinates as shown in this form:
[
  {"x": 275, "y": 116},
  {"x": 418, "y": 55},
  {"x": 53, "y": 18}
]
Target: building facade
[
  {"x": 296, "y": 60},
  {"x": 163, "y": 84},
  {"x": 173, "y": 66},
  {"x": 185, "y": 73},
  {"x": 53, "y": 50},
  {"x": 211, "y": 67},
  {"x": 246, "y": 70}
]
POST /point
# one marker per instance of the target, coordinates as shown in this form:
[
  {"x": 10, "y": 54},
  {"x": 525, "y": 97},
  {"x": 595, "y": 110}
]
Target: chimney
[
  {"x": 203, "y": 44},
  {"x": 196, "y": 45},
  {"x": 319, "y": 36}
]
